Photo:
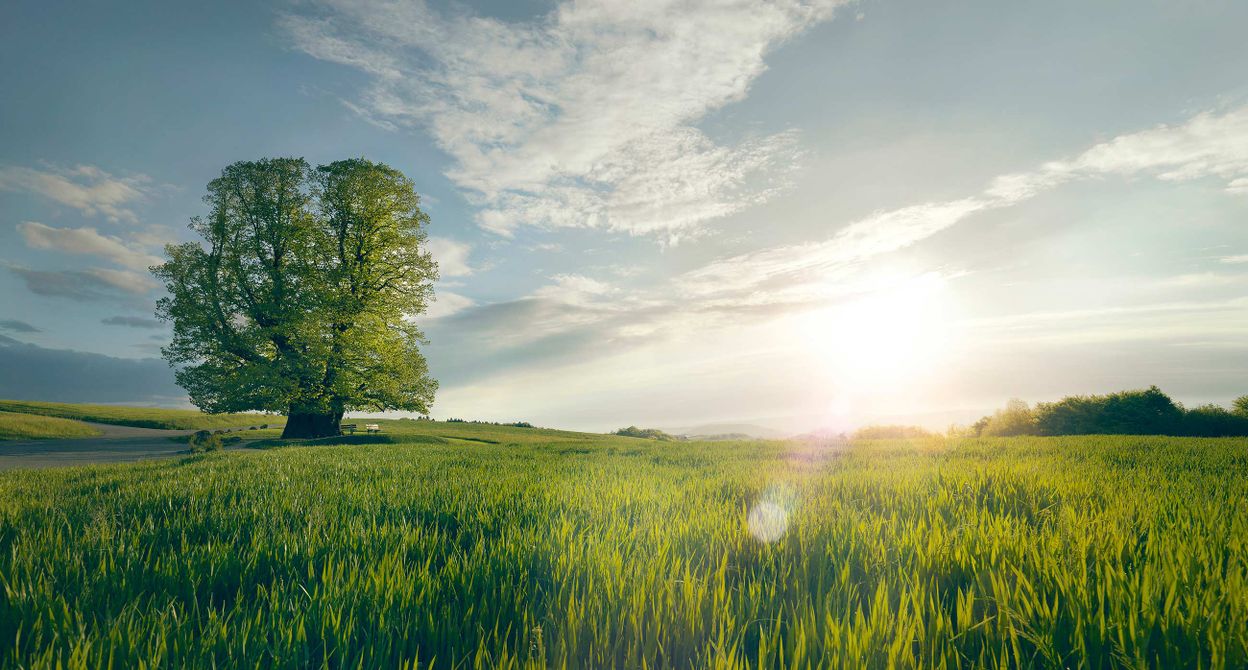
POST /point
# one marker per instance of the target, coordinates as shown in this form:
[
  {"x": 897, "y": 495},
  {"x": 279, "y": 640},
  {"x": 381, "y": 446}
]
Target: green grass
[
  {"x": 143, "y": 417},
  {"x": 15, "y": 426},
  {"x": 464, "y": 546}
]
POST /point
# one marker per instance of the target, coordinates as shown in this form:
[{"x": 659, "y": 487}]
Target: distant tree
[
  {"x": 646, "y": 433},
  {"x": 299, "y": 297},
  {"x": 1240, "y": 406},
  {"x": 1015, "y": 419}
]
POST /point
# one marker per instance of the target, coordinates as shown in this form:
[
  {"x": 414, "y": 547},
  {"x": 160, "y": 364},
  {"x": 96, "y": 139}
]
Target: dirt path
[{"x": 118, "y": 444}]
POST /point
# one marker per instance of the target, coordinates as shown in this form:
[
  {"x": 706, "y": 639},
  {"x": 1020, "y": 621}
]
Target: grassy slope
[
  {"x": 503, "y": 547},
  {"x": 15, "y": 426},
  {"x": 144, "y": 417}
]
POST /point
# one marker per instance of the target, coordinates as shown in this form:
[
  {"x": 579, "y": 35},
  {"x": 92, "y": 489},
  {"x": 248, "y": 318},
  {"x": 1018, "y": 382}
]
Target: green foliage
[
  {"x": 1015, "y": 419},
  {"x": 205, "y": 440},
  {"x": 142, "y": 417},
  {"x": 513, "y": 424},
  {"x": 462, "y": 545},
  {"x": 15, "y": 426},
  {"x": 297, "y": 298},
  {"x": 1240, "y": 406},
  {"x": 891, "y": 432},
  {"x": 1146, "y": 412},
  {"x": 645, "y": 433}
]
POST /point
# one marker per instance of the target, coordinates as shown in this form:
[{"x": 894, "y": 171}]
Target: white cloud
[
  {"x": 1207, "y": 145},
  {"x": 573, "y": 289},
  {"x": 85, "y": 187},
  {"x": 1243, "y": 258},
  {"x": 452, "y": 256},
  {"x": 446, "y": 303},
  {"x": 85, "y": 241},
  {"x": 583, "y": 117},
  {"x": 828, "y": 261},
  {"x": 125, "y": 280}
]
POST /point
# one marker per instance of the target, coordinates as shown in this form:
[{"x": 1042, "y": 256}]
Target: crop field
[
  {"x": 16, "y": 426},
  {"x": 142, "y": 417},
  {"x": 472, "y": 546}
]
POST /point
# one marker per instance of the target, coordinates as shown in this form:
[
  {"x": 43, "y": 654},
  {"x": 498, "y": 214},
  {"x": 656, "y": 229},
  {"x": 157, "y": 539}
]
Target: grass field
[
  {"x": 143, "y": 417},
  {"x": 465, "y": 546},
  {"x": 15, "y": 426}
]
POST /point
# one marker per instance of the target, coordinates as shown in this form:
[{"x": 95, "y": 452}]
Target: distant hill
[{"x": 729, "y": 431}]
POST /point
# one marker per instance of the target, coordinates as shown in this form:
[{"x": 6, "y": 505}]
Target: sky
[{"x": 796, "y": 214}]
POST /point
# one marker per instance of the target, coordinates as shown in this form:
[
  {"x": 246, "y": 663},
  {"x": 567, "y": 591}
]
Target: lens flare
[{"x": 768, "y": 521}]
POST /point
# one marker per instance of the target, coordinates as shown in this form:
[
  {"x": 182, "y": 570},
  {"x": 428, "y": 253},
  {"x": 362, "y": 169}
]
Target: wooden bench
[
  {"x": 372, "y": 428},
  {"x": 348, "y": 428}
]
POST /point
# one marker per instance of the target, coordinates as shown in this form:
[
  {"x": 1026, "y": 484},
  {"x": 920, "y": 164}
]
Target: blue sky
[{"x": 797, "y": 214}]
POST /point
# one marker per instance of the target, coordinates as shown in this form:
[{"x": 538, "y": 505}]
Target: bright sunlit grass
[{"x": 462, "y": 545}]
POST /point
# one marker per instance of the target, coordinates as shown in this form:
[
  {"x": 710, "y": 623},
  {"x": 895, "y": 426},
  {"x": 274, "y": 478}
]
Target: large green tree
[{"x": 299, "y": 297}]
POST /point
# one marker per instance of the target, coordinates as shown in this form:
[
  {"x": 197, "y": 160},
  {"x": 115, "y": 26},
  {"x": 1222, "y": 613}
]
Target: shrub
[
  {"x": 1213, "y": 421},
  {"x": 204, "y": 440},
  {"x": 645, "y": 433}
]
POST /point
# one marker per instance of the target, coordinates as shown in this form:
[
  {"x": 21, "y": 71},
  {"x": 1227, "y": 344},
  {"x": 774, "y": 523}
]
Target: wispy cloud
[
  {"x": 132, "y": 322},
  {"x": 1207, "y": 145},
  {"x": 87, "y": 241},
  {"x": 452, "y": 256},
  {"x": 92, "y": 285},
  {"x": 584, "y": 117},
  {"x": 84, "y": 187},
  {"x": 446, "y": 303},
  {"x": 574, "y": 289},
  {"x": 15, "y": 326}
]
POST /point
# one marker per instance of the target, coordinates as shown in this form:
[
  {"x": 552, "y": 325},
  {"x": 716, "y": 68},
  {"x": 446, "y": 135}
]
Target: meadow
[
  {"x": 142, "y": 417},
  {"x": 473, "y": 546},
  {"x": 18, "y": 426}
]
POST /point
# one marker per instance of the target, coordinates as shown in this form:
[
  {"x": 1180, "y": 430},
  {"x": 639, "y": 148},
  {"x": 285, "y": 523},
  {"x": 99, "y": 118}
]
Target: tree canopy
[
  {"x": 1143, "y": 412},
  {"x": 299, "y": 297}
]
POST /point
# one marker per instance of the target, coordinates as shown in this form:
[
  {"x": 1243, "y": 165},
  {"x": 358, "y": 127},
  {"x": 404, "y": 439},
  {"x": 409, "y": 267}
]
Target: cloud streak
[
  {"x": 15, "y": 326},
  {"x": 1206, "y": 146},
  {"x": 132, "y": 322},
  {"x": 92, "y": 285},
  {"x": 86, "y": 188},
  {"x": 582, "y": 118},
  {"x": 86, "y": 241}
]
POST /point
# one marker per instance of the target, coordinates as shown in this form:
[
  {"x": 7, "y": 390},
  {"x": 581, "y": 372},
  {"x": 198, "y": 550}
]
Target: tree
[
  {"x": 1015, "y": 419},
  {"x": 299, "y": 298},
  {"x": 1240, "y": 406}
]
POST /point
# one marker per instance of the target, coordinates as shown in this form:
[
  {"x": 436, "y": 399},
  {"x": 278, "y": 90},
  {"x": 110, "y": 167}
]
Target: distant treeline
[
  {"x": 1146, "y": 412},
  {"x": 513, "y": 424}
]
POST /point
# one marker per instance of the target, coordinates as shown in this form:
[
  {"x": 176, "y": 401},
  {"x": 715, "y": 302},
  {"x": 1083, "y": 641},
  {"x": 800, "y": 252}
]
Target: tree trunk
[{"x": 309, "y": 425}]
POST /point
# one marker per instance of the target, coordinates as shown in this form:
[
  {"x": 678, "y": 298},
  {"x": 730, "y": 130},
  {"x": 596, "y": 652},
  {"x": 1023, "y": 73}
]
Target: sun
[{"x": 896, "y": 334}]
